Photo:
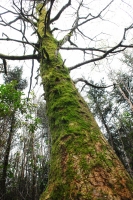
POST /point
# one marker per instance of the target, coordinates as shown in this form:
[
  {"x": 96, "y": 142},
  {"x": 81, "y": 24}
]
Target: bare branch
[
  {"x": 94, "y": 17},
  {"x": 83, "y": 49},
  {"x": 90, "y": 84},
  {"x": 25, "y": 57},
  {"x": 18, "y": 41},
  {"x": 5, "y": 66},
  {"x": 116, "y": 49},
  {"x": 60, "y": 12},
  {"x": 31, "y": 78}
]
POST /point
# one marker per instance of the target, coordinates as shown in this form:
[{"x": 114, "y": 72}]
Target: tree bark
[{"x": 83, "y": 166}]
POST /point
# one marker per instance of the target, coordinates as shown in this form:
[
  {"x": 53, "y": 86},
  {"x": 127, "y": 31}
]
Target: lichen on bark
[{"x": 83, "y": 166}]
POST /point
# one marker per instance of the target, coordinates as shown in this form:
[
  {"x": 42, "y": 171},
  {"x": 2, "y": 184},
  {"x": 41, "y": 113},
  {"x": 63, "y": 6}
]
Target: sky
[{"x": 106, "y": 32}]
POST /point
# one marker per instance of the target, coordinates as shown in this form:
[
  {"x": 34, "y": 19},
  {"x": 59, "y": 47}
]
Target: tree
[
  {"x": 29, "y": 158},
  {"x": 16, "y": 75},
  {"x": 10, "y": 102},
  {"x": 115, "y": 116},
  {"x": 23, "y": 150},
  {"x": 101, "y": 106},
  {"x": 82, "y": 166}
]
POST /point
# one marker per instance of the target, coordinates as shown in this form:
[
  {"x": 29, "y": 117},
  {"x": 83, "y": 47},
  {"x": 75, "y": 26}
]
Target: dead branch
[
  {"x": 90, "y": 84},
  {"x": 60, "y": 12},
  {"x": 24, "y": 57},
  {"x": 116, "y": 49}
]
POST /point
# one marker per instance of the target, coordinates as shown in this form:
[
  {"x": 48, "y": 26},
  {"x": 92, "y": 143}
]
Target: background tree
[
  {"x": 13, "y": 101},
  {"x": 22, "y": 135},
  {"x": 101, "y": 105},
  {"x": 110, "y": 113},
  {"x": 10, "y": 100},
  {"x": 15, "y": 75},
  {"x": 24, "y": 157},
  {"x": 113, "y": 108},
  {"x": 83, "y": 166}
]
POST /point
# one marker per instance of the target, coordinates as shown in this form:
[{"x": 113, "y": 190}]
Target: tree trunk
[
  {"x": 105, "y": 125},
  {"x": 83, "y": 166},
  {"x": 6, "y": 160}
]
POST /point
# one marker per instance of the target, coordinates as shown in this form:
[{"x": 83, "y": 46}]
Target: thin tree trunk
[
  {"x": 6, "y": 159},
  {"x": 83, "y": 165},
  {"x": 33, "y": 174},
  {"x": 125, "y": 156},
  {"x": 106, "y": 126},
  {"x": 124, "y": 96}
]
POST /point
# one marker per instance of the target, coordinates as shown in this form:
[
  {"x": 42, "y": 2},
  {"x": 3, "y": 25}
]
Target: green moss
[
  {"x": 130, "y": 184},
  {"x": 84, "y": 163}
]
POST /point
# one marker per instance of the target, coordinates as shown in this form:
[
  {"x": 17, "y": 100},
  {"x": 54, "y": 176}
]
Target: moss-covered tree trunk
[{"x": 83, "y": 165}]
